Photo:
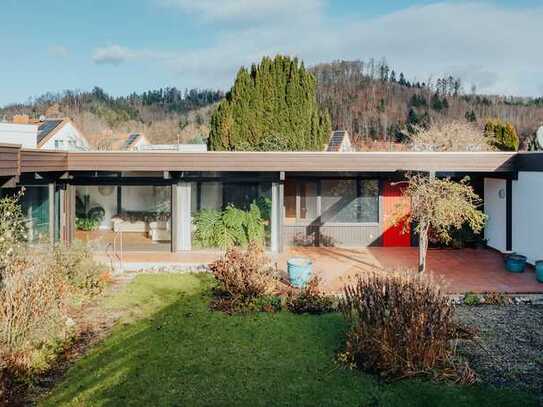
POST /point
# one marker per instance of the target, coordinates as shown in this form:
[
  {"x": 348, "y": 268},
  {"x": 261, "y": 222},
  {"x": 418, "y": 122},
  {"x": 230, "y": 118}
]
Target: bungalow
[{"x": 149, "y": 199}]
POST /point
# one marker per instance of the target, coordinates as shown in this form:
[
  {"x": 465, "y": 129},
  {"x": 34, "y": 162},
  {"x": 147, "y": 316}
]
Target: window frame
[{"x": 317, "y": 221}]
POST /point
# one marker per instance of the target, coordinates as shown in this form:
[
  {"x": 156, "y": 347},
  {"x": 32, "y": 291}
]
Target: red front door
[{"x": 395, "y": 207}]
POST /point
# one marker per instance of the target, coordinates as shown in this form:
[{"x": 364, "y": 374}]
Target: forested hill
[
  {"x": 371, "y": 100},
  {"x": 161, "y": 114},
  {"x": 374, "y": 102}
]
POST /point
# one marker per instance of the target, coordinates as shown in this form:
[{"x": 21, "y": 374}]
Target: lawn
[{"x": 171, "y": 350}]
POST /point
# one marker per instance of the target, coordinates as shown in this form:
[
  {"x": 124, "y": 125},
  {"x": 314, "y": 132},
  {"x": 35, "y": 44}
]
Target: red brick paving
[{"x": 460, "y": 271}]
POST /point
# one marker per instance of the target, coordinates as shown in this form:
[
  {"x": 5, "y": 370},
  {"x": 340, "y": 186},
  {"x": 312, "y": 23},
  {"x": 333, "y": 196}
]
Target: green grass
[{"x": 171, "y": 350}]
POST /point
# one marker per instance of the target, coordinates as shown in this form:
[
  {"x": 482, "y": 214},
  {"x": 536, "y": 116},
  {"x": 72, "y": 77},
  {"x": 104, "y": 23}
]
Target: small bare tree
[
  {"x": 451, "y": 136},
  {"x": 441, "y": 206}
]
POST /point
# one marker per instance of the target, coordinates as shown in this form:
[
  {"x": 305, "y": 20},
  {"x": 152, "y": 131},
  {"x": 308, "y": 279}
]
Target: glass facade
[
  {"x": 140, "y": 213},
  {"x": 35, "y": 209},
  {"x": 232, "y": 206},
  {"x": 342, "y": 201},
  {"x": 339, "y": 203},
  {"x": 35, "y": 206}
]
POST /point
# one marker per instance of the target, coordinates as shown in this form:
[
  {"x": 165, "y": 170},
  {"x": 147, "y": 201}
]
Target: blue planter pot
[
  {"x": 300, "y": 270},
  {"x": 539, "y": 270},
  {"x": 515, "y": 263}
]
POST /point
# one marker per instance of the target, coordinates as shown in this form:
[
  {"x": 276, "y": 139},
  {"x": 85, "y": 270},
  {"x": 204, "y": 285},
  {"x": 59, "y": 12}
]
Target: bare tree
[
  {"x": 450, "y": 136},
  {"x": 441, "y": 206}
]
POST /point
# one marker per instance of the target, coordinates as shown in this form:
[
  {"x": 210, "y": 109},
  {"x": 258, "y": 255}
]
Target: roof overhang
[{"x": 61, "y": 161}]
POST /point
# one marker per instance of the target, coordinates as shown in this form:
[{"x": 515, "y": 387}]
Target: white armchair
[{"x": 160, "y": 230}]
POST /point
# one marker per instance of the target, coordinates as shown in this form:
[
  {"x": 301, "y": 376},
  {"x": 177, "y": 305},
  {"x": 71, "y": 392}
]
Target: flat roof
[
  {"x": 10, "y": 160},
  {"x": 32, "y": 160}
]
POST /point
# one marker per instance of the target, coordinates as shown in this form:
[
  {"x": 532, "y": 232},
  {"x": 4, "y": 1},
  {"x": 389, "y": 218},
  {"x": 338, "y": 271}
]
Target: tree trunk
[{"x": 423, "y": 248}]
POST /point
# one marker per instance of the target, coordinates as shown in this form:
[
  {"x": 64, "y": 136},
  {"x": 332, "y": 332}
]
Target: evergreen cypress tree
[{"x": 272, "y": 106}]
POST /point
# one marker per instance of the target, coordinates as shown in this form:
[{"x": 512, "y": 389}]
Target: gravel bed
[{"x": 508, "y": 350}]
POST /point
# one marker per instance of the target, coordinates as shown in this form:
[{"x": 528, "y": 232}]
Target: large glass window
[
  {"x": 140, "y": 214},
  {"x": 308, "y": 201},
  {"x": 369, "y": 200},
  {"x": 342, "y": 201},
  {"x": 35, "y": 210},
  {"x": 35, "y": 207},
  {"x": 301, "y": 197},
  {"x": 290, "y": 192},
  {"x": 210, "y": 201},
  {"x": 339, "y": 204}
]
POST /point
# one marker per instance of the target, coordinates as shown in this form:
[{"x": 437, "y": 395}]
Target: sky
[{"x": 135, "y": 45}]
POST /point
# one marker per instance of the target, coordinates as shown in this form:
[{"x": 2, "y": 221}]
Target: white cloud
[
  {"x": 493, "y": 47},
  {"x": 58, "y": 51},
  {"x": 116, "y": 55},
  {"x": 113, "y": 55},
  {"x": 245, "y": 10}
]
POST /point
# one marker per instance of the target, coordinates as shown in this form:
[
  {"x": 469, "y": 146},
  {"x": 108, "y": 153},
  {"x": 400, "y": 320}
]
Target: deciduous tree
[
  {"x": 441, "y": 206},
  {"x": 450, "y": 136}
]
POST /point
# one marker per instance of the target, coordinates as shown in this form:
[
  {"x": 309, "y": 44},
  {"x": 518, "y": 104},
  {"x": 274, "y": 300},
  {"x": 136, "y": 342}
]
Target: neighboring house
[
  {"x": 60, "y": 134},
  {"x": 339, "y": 142},
  {"x": 123, "y": 142},
  {"x": 15, "y": 133},
  {"x": 138, "y": 142},
  {"x": 134, "y": 142},
  {"x": 182, "y": 148}
]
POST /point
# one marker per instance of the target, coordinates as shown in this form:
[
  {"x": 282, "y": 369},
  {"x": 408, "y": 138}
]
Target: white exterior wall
[
  {"x": 67, "y": 138},
  {"x": 24, "y": 134},
  {"x": 528, "y": 215},
  {"x": 495, "y": 207}
]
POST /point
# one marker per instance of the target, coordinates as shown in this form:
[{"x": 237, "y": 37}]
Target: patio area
[{"x": 460, "y": 271}]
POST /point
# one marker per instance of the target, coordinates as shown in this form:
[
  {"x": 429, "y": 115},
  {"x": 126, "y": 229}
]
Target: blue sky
[{"x": 133, "y": 45}]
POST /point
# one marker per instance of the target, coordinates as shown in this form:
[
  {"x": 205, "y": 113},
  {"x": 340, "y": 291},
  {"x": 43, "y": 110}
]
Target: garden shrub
[
  {"x": 37, "y": 288},
  {"x": 265, "y": 303},
  {"x": 496, "y": 298},
  {"x": 31, "y": 303},
  {"x": 243, "y": 275},
  {"x": 12, "y": 229},
  {"x": 471, "y": 299},
  {"x": 310, "y": 300},
  {"x": 78, "y": 268},
  {"x": 401, "y": 325}
]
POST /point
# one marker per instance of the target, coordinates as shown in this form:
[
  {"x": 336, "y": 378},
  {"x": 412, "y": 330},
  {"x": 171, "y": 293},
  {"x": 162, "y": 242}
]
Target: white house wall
[
  {"x": 24, "y": 134},
  {"x": 495, "y": 206},
  {"x": 528, "y": 215}
]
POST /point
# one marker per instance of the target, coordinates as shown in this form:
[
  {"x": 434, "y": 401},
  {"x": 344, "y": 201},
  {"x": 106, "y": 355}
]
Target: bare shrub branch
[
  {"x": 451, "y": 136},
  {"x": 400, "y": 326}
]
